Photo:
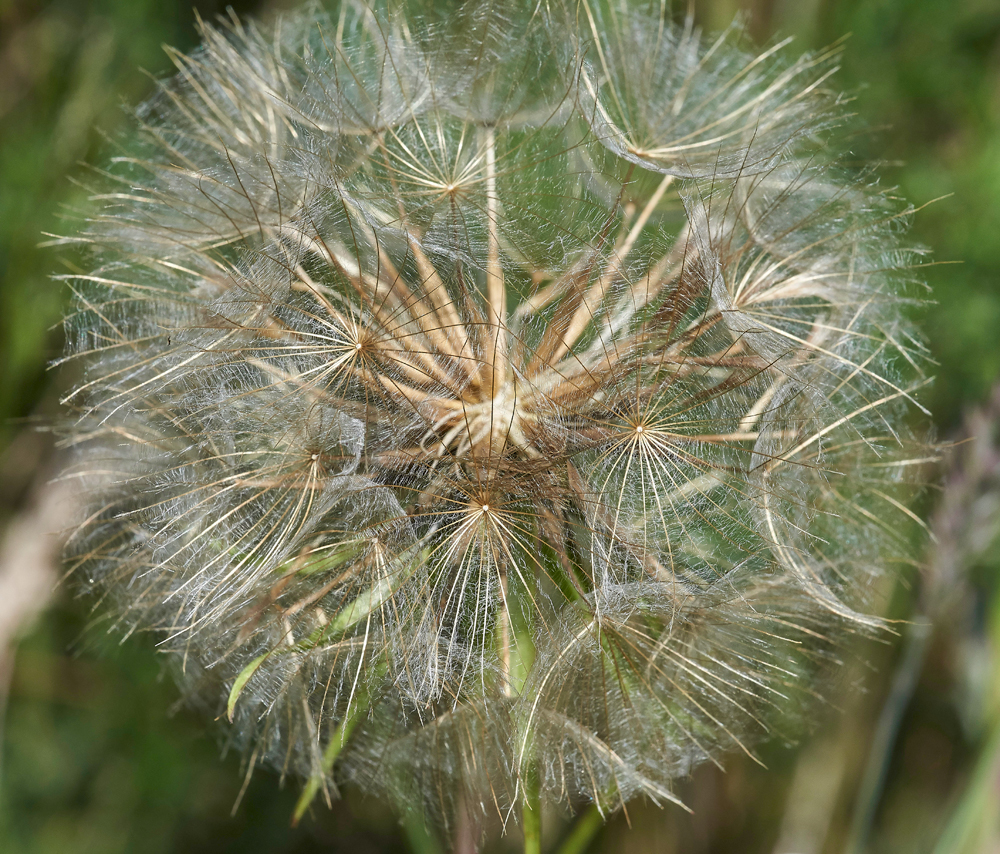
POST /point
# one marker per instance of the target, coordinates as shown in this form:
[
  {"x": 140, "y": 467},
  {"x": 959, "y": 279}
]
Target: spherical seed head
[{"x": 511, "y": 399}]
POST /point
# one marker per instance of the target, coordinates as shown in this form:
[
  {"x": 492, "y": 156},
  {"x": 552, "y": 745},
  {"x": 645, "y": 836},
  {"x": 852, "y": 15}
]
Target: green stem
[
  {"x": 904, "y": 682},
  {"x": 419, "y": 836},
  {"x": 531, "y": 813},
  {"x": 584, "y": 829},
  {"x": 974, "y": 818}
]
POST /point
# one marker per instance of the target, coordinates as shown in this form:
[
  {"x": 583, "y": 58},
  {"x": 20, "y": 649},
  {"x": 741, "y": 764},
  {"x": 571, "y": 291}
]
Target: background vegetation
[{"x": 98, "y": 758}]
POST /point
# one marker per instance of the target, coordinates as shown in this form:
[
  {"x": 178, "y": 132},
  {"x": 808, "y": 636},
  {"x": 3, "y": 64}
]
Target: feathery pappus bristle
[{"x": 493, "y": 406}]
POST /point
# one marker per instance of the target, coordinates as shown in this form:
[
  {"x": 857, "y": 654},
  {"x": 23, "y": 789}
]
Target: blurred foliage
[
  {"x": 98, "y": 758},
  {"x": 66, "y": 67}
]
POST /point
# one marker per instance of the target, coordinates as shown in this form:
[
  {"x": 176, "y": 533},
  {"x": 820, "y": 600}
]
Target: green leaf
[
  {"x": 241, "y": 682},
  {"x": 337, "y": 741}
]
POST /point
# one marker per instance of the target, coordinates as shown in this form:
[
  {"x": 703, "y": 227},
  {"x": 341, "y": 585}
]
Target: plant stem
[
  {"x": 419, "y": 837},
  {"x": 531, "y": 813},
  {"x": 583, "y": 831},
  {"x": 904, "y": 682}
]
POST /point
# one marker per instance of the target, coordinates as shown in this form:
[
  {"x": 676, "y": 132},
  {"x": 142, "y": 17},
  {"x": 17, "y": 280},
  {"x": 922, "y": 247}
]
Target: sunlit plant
[{"x": 498, "y": 408}]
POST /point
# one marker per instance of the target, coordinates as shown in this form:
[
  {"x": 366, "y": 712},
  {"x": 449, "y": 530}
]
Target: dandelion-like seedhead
[{"x": 493, "y": 404}]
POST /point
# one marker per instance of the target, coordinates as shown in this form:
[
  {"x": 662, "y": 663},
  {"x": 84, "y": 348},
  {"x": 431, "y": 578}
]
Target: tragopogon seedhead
[{"x": 495, "y": 407}]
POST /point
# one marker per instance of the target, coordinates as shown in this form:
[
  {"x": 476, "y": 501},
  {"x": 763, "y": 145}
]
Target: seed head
[{"x": 513, "y": 399}]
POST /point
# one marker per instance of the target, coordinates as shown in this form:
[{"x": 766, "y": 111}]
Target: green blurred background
[{"x": 98, "y": 756}]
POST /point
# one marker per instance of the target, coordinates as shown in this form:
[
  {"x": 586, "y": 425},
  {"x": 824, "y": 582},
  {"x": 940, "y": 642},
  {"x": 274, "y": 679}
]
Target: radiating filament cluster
[{"x": 514, "y": 396}]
